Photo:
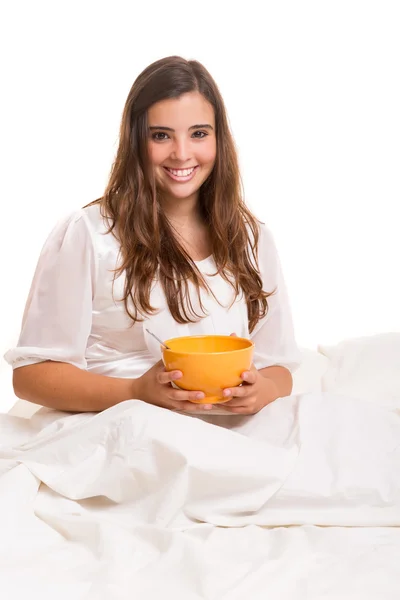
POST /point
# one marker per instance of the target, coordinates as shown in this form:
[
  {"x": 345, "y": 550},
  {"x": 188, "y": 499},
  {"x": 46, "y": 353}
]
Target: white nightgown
[{"x": 72, "y": 316}]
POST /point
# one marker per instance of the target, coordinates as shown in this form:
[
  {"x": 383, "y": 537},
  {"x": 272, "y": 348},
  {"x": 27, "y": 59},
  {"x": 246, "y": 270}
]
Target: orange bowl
[{"x": 209, "y": 363}]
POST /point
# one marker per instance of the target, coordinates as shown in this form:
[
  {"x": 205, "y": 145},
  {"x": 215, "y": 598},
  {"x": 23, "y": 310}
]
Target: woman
[{"x": 170, "y": 247}]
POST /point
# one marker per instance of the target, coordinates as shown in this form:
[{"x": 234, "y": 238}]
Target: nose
[{"x": 181, "y": 150}]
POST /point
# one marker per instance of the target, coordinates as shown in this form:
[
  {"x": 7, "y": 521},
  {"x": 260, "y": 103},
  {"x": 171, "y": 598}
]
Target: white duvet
[{"x": 299, "y": 501}]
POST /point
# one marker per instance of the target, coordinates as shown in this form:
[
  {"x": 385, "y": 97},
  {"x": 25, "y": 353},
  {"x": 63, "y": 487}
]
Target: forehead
[{"x": 181, "y": 113}]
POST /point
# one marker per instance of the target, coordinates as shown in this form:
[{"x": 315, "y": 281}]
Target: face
[{"x": 182, "y": 144}]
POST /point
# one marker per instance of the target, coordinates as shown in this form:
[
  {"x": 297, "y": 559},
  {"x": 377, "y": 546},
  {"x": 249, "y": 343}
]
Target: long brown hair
[{"x": 131, "y": 202}]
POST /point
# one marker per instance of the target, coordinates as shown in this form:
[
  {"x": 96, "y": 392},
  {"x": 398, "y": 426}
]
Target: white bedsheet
[{"x": 299, "y": 501}]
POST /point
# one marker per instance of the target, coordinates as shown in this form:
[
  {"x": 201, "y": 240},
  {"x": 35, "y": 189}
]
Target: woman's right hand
[{"x": 154, "y": 387}]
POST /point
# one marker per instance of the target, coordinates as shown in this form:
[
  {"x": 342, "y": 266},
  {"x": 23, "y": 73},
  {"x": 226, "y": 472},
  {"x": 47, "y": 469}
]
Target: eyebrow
[{"x": 201, "y": 126}]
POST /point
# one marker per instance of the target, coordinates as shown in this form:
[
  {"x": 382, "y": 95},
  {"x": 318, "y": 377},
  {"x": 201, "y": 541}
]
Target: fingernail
[
  {"x": 199, "y": 396},
  {"x": 227, "y": 393},
  {"x": 207, "y": 406},
  {"x": 176, "y": 374}
]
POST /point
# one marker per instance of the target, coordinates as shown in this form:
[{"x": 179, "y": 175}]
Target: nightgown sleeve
[
  {"x": 273, "y": 336},
  {"x": 58, "y": 314}
]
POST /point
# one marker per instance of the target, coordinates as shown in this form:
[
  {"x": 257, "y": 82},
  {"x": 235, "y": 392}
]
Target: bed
[{"x": 299, "y": 501}]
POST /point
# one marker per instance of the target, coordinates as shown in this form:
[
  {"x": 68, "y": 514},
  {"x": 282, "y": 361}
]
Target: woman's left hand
[{"x": 250, "y": 397}]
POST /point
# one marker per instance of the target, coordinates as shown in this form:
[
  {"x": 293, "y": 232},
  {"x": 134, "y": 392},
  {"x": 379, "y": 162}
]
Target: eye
[
  {"x": 159, "y": 136},
  {"x": 200, "y": 134}
]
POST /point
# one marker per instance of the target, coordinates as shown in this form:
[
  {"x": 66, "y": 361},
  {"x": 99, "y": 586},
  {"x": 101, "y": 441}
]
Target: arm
[
  {"x": 49, "y": 361},
  {"x": 281, "y": 378},
  {"x": 65, "y": 387}
]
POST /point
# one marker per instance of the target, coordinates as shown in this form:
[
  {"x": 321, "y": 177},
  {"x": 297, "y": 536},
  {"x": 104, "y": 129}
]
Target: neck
[{"x": 182, "y": 211}]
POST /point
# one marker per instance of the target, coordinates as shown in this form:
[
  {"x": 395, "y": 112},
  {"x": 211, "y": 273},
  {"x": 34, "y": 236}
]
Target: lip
[{"x": 182, "y": 179}]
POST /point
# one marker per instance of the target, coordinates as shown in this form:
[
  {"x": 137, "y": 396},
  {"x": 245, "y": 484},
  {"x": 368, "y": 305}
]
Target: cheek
[
  {"x": 208, "y": 153},
  {"x": 157, "y": 153}
]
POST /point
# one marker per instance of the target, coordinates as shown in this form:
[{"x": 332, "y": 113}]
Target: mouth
[{"x": 182, "y": 175}]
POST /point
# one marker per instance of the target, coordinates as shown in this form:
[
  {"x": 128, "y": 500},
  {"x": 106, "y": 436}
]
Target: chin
[{"x": 180, "y": 193}]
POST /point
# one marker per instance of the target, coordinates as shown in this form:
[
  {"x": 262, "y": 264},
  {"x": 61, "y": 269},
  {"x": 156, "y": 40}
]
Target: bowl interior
[{"x": 208, "y": 344}]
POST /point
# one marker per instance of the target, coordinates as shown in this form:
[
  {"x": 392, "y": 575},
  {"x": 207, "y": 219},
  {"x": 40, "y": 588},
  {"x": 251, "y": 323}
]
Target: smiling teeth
[{"x": 181, "y": 172}]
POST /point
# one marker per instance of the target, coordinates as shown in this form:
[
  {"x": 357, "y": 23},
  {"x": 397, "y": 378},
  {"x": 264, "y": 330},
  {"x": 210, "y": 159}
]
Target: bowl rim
[{"x": 250, "y": 343}]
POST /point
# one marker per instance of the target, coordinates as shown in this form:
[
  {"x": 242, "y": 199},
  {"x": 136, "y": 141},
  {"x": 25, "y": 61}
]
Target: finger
[
  {"x": 236, "y": 402},
  {"x": 236, "y": 392},
  {"x": 249, "y": 376},
  {"x": 233, "y": 335},
  {"x": 185, "y": 396},
  {"x": 192, "y": 407},
  {"x": 168, "y": 376}
]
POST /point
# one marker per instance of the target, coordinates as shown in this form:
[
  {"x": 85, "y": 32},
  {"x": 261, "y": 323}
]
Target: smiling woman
[{"x": 170, "y": 247}]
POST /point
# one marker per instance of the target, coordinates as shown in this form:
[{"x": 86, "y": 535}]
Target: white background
[{"x": 313, "y": 95}]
